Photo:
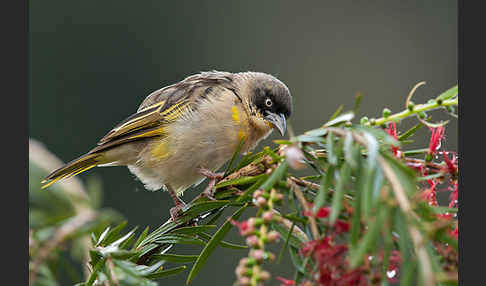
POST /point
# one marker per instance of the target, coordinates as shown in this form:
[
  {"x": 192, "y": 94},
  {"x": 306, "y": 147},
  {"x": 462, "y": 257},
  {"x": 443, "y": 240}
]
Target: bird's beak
[{"x": 278, "y": 121}]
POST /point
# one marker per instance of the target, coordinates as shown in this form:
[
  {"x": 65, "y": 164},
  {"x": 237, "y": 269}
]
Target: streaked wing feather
[{"x": 162, "y": 107}]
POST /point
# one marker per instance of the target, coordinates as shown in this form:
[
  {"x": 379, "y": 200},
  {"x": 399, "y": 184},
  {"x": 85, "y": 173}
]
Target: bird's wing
[{"x": 165, "y": 106}]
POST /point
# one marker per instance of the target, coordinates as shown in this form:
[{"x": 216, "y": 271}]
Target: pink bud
[
  {"x": 295, "y": 157},
  {"x": 273, "y": 236},
  {"x": 257, "y": 194},
  {"x": 243, "y": 261},
  {"x": 258, "y": 254},
  {"x": 252, "y": 241},
  {"x": 267, "y": 216},
  {"x": 264, "y": 275},
  {"x": 261, "y": 202},
  {"x": 240, "y": 271},
  {"x": 243, "y": 281}
]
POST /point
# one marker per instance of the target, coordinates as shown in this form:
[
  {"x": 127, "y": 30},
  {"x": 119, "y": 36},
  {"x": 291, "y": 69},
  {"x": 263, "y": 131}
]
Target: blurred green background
[{"x": 93, "y": 62}]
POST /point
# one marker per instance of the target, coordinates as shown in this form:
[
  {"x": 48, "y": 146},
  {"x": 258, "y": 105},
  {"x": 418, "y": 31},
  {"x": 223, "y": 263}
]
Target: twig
[{"x": 303, "y": 202}]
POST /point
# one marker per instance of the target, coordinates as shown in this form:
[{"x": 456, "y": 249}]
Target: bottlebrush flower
[
  {"x": 285, "y": 282},
  {"x": 244, "y": 227},
  {"x": 435, "y": 139},
  {"x": 392, "y": 131},
  {"x": 451, "y": 164},
  {"x": 341, "y": 226}
]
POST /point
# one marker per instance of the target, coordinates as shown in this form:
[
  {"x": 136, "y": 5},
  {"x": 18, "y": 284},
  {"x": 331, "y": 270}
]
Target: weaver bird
[{"x": 183, "y": 133}]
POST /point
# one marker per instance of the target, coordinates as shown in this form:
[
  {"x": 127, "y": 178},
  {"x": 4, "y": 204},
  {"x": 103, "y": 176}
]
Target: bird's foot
[
  {"x": 179, "y": 204},
  {"x": 213, "y": 178},
  {"x": 175, "y": 211}
]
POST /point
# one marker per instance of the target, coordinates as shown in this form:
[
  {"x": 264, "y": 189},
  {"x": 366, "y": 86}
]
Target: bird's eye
[{"x": 268, "y": 102}]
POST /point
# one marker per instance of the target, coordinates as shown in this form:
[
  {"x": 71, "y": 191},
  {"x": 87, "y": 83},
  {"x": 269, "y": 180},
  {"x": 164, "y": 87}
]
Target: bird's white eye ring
[{"x": 268, "y": 102}]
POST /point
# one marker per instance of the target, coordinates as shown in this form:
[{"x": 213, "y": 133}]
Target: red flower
[
  {"x": 244, "y": 227},
  {"x": 436, "y": 138},
  {"x": 454, "y": 195},
  {"x": 285, "y": 282},
  {"x": 430, "y": 194},
  {"x": 341, "y": 226},
  {"x": 454, "y": 233},
  {"x": 451, "y": 164},
  {"x": 321, "y": 213},
  {"x": 392, "y": 131}
]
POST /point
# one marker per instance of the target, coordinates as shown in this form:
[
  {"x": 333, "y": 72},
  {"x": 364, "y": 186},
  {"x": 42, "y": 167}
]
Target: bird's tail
[{"x": 74, "y": 168}]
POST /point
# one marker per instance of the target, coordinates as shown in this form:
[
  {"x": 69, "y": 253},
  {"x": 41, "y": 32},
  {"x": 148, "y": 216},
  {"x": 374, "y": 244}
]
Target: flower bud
[
  {"x": 243, "y": 281},
  {"x": 267, "y": 216},
  {"x": 257, "y": 194},
  {"x": 252, "y": 240},
  {"x": 243, "y": 261},
  {"x": 258, "y": 255},
  {"x": 295, "y": 157},
  {"x": 364, "y": 120},
  {"x": 264, "y": 275},
  {"x": 386, "y": 112},
  {"x": 273, "y": 236},
  {"x": 410, "y": 105},
  {"x": 261, "y": 202},
  {"x": 241, "y": 271}
]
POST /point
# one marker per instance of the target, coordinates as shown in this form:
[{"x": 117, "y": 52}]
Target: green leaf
[
  {"x": 293, "y": 240},
  {"x": 369, "y": 238},
  {"x": 338, "y": 196},
  {"x": 174, "y": 258},
  {"x": 211, "y": 245},
  {"x": 140, "y": 238},
  {"x": 319, "y": 132},
  {"x": 350, "y": 151},
  {"x": 357, "y": 102},
  {"x": 193, "y": 229},
  {"x": 247, "y": 194},
  {"x": 326, "y": 182},
  {"x": 331, "y": 152},
  {"x": 286, "y": 243},
  {"x": 276, "y": 175},
  {"x": 94, "y": 274},
  {"x": 410, "y": 131},
  {"x": 450, "y": 93},
  {"x": 223, "y": 243},
  {"x": 337, "y": 112},
  {"x": 203, "y": 207},
  {"x": 178, "y": 239},
  {"x": 340, "y": 119},
  {"x": 166, "y": 272},
  {"x": 239, "y": 181},
  {"x": 113, "y": 234}
]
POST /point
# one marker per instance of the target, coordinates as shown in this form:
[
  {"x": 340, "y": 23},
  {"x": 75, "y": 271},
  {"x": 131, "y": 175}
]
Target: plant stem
[{"x": 416, "y": 109}]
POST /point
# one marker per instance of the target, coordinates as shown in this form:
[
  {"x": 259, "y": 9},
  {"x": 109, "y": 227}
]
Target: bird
[{"x": 183, "y": 133}]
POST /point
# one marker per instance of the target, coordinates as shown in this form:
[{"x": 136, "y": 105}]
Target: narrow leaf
[
  {"x": 167, "y": 272},
  {"x": 338, "y": 196},
  {"x": 211, "y": 245}
]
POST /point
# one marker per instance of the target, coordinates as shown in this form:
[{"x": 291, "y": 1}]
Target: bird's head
[{"x": 269, "y": 99}]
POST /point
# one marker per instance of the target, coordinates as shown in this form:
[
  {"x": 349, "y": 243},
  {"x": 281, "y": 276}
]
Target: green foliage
[{"x": 356, "y": 178}]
